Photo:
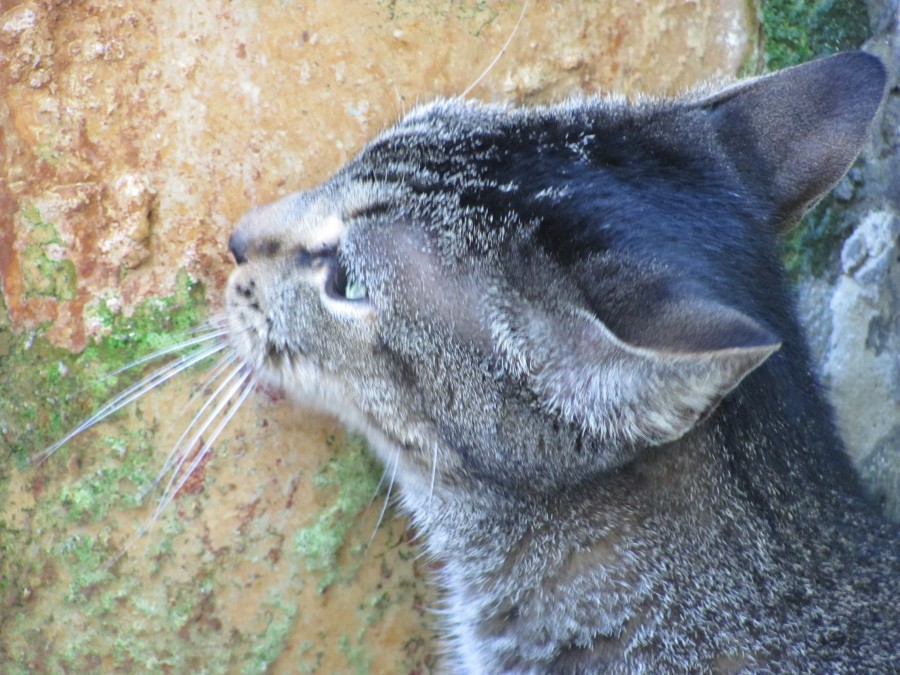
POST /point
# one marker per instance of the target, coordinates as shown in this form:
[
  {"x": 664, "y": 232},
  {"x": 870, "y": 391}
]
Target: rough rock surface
[
  {"x": 852, "y": 310},
  {"x": 855, "y": 324}
]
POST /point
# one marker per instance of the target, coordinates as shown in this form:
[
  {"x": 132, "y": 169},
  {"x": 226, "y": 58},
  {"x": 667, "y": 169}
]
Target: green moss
[
  {"x": 65, "y": 609},
  {"x": 40, "y": 232},
  {"x": 85, "y": 558},
  {"x": 354, "y": 474},
  {"x": 162, "y": 619},
  {"x": 45, "y": 277},
  {"x": 811, "y": 247},
  {"x": 48, "y": 389},
  {"x": 357, "y": 658},
  {"x": 800, "y": 30},
  {"x": 155, "y": 324},
  {"x": 44, "y": 273},
  {"x": 374, "y": 607},
  {"x": 116, "y": 484},
  {"x": 268, "y": 645},
  {"x": 52, "y": 571}
]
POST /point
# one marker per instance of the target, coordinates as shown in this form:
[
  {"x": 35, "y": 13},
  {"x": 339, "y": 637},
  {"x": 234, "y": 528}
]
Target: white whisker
[
  {"x": 387, "y": 498},
  {"x": 384, "y": 474},
  {"x": 433, "y": 474},
  {"x": 214, "y": 375},
  {"x": 171, "y": 493},
  {"x": 212, "y": 334},
  {"x": 173, "y": 488},
  {"x": 181, "y": 346},
  {"x": 500, "y": 54},
  {"x": 179, "y": 444},
  {"x": 216, "y": 372},
  {"x": 131, "y": 394},
  {"x": 141, "y": 531}
]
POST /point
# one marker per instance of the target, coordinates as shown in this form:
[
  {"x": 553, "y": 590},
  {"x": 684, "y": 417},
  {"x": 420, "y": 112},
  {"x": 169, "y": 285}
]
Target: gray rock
[{"x": 854, "y": 328}]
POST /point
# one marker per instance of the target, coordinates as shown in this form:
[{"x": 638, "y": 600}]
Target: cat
[{"x": 567, "y": 331}]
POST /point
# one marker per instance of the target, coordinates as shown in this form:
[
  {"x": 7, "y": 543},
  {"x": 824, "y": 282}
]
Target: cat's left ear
[
  {"x": 626, "y": 392},
  {"x": 794, "y": 133}
]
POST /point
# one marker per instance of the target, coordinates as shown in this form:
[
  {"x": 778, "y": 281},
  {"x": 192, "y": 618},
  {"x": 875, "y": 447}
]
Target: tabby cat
[{"x": 567, "y": 331}]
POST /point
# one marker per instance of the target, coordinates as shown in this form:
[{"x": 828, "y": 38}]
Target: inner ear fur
[
  {"x": 645, "y": 391},
  {"x": 795, "y": 132}
]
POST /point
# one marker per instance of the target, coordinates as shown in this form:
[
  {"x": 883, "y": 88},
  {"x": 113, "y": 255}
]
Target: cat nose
[{"x": 239, "y": 245}]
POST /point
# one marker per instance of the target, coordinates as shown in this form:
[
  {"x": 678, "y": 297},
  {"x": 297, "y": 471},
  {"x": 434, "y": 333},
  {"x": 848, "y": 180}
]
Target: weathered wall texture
[
  {"x": 132, "y": 134},
  {"x": 141, "y": 130}
]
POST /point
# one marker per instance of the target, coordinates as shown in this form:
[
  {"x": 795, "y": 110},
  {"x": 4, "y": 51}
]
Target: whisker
[
  {"x": 214, "y": 327},
  {"x": 218, "y": 320},
  {"x": 433, "y": 474},
  {"x": 499, "y": 54},
  {"x": 387, "y": 498},
  {"x": 384, "y": 474},
  {"x": 216, "y": 372},
  {"x": 179, "y": 444},
  {"x": 170, "y": 491},
  {"x": 141, "y": 531},
  {"x": 212, "y": 334},
  {"x": 214, "y": 375},
  {"x": 170, "y": 494},
  {"x": 181, "y": 346},
  {"x": 131, "y": 394},
  {"x": 180, "y": 452}
]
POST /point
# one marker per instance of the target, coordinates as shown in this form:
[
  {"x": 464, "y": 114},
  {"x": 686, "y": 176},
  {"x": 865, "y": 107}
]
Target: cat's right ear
[{"x": 794, "y": 133}]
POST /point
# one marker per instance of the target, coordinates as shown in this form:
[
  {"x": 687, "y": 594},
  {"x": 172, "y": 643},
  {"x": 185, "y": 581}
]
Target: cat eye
[
  {"x": 355, "y": 290},
  {"x": 341, "y": 285}
]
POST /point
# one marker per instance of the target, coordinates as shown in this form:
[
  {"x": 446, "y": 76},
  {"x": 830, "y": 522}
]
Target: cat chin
[
  {"x": 399, "y": 458},
  {"x": 396, "y": 457}
]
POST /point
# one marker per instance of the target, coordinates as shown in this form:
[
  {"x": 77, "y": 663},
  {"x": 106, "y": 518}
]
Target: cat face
[
  {"x": 413, "y": 296},
  {"x": 539, "y": 294}
]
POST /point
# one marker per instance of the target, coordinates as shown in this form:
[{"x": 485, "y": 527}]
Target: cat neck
[{"x": 574, "y": 578}]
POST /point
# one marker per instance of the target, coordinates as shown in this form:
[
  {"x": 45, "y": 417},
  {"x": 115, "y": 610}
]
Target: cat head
[{"x": 525, "y": 295}]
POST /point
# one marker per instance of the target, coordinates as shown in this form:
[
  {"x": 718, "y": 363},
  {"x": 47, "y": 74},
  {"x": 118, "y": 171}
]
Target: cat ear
[
  {"x": 798, "y": 130},
  {"x": 583, "y": 372}
]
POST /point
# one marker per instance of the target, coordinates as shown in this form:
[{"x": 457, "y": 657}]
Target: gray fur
[{"x": 579, "y": 437}]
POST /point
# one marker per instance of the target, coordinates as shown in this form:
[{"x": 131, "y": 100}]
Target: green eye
[
  {"x": 354, "y": 290},
  {"x": 343, "y": 286}
]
